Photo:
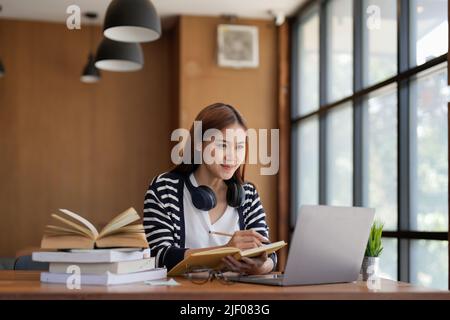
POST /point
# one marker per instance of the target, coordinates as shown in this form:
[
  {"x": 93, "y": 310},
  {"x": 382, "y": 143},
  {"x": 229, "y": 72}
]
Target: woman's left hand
[{"x": 255, "y": 265}]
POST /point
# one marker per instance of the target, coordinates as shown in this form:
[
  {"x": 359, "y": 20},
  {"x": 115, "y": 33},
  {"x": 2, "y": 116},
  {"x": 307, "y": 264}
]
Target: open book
[
  {"x": 212, "y": 259},
  {"x": 78, "y": 233}
]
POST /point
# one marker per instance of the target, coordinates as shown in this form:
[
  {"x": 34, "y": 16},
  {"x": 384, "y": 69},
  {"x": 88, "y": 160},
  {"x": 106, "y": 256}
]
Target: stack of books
[
  {"x": 118, "y": 254},
  {"x": 100, "y": 266}
]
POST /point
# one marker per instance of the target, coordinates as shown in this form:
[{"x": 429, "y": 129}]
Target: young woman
[{"x": 183, "y": 206}]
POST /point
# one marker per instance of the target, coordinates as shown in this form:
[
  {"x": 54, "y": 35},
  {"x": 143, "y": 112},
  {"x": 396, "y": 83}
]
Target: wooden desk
[{"x": 26, "y": 285}]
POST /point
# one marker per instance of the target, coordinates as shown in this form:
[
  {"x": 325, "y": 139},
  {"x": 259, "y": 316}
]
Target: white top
[{"x": 198, "y": 224}]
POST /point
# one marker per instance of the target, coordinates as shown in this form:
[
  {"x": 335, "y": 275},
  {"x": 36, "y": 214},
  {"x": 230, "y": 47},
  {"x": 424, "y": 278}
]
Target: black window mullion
[
  {"x": 403, "y": 169},
  {"x": 357, "y": 104},
  {"x": 417, "y": 235},
  {"x": 403, "y": 139},
  {"x": 403, "y": 35},
  {"x": 322, "y": 101},
  {"x": 295, "y": 23},
  {"x": 403, "y": 259}
]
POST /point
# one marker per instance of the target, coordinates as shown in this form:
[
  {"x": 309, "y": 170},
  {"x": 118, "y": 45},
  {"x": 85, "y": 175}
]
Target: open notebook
[
  {"x": 212, "y": 259},
  {"x": 78, "y": 233}
]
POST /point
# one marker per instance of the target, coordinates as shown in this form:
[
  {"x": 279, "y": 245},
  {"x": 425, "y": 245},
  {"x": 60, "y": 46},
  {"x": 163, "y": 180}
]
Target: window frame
[{"x": 404, "y": 74}]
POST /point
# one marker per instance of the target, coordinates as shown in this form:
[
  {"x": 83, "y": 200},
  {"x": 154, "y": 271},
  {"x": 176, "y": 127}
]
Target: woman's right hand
[{"x": 246, "y": 239}]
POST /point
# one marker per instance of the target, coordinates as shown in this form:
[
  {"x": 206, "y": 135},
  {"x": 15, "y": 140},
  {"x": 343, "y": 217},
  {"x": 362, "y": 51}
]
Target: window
[
  {"x": 308, "y": 39},
  {"x": 429, "y": 165},
  {"x": 340, "y": 156},
  {"x": 306, "y": 164},
  {"x": 429, "y": 29},
  {"x": 379, "y": 40},
  {"x": 369, "y": 123},
  {"x": 380, "y": 155},
  {"x": 429, "y": 263},
  {"x": 388, "y": 265},
  {"x": 340, "y": 49},
  {"x": 308, "y": 161}
]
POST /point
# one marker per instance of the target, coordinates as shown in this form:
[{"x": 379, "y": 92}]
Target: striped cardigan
[{"x": 164, "y": 218}]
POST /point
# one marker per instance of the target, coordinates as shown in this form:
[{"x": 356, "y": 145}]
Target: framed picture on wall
[{"x": 238, "y": 46}]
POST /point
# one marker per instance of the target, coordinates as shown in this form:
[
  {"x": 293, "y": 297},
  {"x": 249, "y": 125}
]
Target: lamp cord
[{"x": 90, "y": 38}]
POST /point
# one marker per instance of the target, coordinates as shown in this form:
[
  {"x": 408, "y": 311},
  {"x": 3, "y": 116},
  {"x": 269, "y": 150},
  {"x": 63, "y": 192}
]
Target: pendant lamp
[
  {"x": 2, "y": 69},
  {"x": 119, "y": 56},
  {"x": 90, "y": 72},
  {"x": 132, "y": 21}
]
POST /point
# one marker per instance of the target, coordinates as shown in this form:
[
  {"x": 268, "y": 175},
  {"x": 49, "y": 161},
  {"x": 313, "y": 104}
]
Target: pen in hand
[{"x": 230, "y": 235}]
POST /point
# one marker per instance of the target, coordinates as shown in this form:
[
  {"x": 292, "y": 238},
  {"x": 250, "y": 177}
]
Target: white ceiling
[{"x": 55, "y": 10}]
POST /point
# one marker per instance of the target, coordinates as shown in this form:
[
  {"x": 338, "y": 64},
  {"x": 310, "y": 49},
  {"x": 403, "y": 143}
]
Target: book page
[
  {"x": 128, "y": 216},
  {"x": 97, "y": 250},
  {"x": 66, "y": 242},
  {"x": 127, "y": 240},
  {"x": 82, "y": 220},
  {"x": 133, "y": 228},
  {"x": 61, "y": 230},
  {"x": 269, "y": 248},
  {"x": 227, "y": 250},
  {"x": 211, "y": 259},
  {"x": 75, "y": 226}
]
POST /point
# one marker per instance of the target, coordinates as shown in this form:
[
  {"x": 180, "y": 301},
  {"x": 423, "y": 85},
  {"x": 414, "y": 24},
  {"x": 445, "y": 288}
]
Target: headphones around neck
[{"x": 204, "y": 198}]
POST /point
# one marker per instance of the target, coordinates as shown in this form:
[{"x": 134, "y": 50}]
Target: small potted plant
[{"x": 374, "y": 248}]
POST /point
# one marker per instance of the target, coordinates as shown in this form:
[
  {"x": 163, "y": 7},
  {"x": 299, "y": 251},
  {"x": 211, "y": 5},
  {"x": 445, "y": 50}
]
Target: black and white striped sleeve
[
  {"x": 159, "y": 229},
  {"x": 255, "y": 217}
]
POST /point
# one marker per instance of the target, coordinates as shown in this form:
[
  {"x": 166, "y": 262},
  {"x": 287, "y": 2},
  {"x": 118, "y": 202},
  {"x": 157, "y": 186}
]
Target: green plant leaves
[{"x": 374, "y": 245}]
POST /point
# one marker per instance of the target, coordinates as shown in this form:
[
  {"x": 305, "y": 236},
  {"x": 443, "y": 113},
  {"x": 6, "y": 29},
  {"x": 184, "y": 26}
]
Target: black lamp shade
[
  {"x": 132, "y": 21},
  {"x": 119, "y": 56},
  {"x": 2, "y": 69},
  {"x": 90, "y": 73}
]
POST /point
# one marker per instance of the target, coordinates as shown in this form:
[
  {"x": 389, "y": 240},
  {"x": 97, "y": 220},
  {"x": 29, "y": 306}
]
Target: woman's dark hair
[{"x": 215, "y": 116}]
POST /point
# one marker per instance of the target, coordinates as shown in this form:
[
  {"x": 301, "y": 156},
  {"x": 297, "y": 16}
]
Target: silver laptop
[{"x": 327, "y": 246}]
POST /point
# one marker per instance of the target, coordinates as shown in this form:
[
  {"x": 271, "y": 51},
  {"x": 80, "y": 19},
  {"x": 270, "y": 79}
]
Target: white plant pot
[{"x": 370, "y": 267}]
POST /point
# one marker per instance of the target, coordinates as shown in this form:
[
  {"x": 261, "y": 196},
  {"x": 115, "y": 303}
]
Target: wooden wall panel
[{"x": 92, "y": 148}]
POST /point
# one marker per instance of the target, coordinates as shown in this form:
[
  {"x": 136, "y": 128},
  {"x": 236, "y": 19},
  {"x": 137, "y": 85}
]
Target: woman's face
[{"x": 227, "y": 152}]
